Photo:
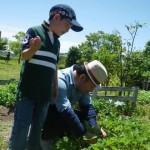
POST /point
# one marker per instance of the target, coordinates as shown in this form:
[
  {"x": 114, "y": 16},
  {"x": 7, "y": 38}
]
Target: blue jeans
[
  {"x": 55, "y": 127},
  {"x": 28, "y": 122}
]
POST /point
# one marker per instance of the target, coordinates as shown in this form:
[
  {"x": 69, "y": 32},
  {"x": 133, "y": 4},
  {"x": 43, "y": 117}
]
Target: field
[
  {"x": 127, "y": 129},
  {"x": 9, "y": 70}
]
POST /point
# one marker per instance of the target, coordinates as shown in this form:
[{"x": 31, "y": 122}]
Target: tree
[
  {"x": 62, "y": 61},
  {"x": 16, "y": 46},
  {"x": 146, "y": 61},
  {"x": 106, "y": 48},
  {"x": 134, "y": 77},
  {"x": 73, "y": 56},
  {"x": 146, "y": 57},
  {"x": 86, "y": 52},
  {"x": 19, "y": 36},
  {"x": 147, "y": 49},
  {"x": 132, "y": 29},
  {"x": 121, "y": 62},
  {"x": 3, "y": 43}
]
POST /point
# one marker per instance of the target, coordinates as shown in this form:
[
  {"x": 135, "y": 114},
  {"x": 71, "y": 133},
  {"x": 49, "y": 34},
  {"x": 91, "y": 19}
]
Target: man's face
[{"x": 86, "y": 85}]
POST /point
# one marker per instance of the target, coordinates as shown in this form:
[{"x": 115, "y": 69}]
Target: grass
[
  {"x": 10, "y": 70},
  {"x": 5, "y": 129}
]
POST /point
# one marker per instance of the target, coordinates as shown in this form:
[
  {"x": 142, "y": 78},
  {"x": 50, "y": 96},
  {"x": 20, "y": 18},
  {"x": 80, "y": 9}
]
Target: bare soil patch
[
  {"x": 5, "y": 115},
  {"x": 6, "y": 120}
]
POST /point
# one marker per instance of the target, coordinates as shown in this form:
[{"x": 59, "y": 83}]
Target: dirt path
[
  {"x": 5, "y": 126},
  {"x": 4, "y": 116}
]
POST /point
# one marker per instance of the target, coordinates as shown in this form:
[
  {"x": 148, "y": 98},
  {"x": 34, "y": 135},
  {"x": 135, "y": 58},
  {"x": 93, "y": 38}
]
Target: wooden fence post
[{"x": 135, "y": 94}]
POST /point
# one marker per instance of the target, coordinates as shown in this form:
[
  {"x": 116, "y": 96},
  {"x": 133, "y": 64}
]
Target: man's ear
[{"x": 82, "y": 77}]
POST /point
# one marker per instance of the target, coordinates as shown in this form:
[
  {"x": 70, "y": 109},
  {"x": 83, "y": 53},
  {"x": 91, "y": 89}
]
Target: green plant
[
  {"x": 144, "y": 97},
  {"x": 7, "y": 94},
  {"x": 125, "y": 131}
]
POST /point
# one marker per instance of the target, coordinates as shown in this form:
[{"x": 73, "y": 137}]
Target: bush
[
  {"x": 144, "y": 97},
  {"x": 7, "y": 94}
]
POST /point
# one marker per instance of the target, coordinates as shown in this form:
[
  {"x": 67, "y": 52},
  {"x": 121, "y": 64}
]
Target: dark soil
[{"x": 5, "y": 114}]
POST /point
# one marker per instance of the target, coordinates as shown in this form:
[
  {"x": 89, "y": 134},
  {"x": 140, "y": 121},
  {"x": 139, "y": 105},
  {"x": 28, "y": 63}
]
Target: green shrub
[
  {"x": 7, "y": 94},
  {"x": 143, "y": 97}
]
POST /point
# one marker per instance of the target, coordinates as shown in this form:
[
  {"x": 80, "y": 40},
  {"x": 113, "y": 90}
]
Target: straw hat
[{"x": 96, "y": 71}]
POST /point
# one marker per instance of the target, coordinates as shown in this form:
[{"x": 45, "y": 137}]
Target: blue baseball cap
[{"x": 68, "y": 13}]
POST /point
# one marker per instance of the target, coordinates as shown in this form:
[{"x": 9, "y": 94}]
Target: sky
[{"x": 93, "y": 15}]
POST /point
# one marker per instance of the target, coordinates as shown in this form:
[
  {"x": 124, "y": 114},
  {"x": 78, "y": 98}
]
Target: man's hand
[
  {"x": 90, "y": 138},
  {"x": 100, "y": 131},
  {"x": 95, "y": 130},
  {"x": 104, "y": 134}
]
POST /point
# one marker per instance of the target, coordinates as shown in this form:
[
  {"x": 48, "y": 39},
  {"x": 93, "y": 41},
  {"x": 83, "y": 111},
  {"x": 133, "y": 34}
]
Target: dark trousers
[{"x": 54, "y": 126}]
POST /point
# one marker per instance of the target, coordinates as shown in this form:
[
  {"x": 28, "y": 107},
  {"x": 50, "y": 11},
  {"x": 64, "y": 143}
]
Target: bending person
[{"x": 74, "y": 85}]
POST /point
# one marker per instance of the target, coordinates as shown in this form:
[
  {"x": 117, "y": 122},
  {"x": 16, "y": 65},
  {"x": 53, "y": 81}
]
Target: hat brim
[
  {"x": 85, "y": 65},
  {"x": 76, "y": 26}
]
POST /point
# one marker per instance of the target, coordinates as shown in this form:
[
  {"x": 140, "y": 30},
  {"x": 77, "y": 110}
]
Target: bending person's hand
[
  {"x": 90, "y": 138},
  {"x": 100, "y": 131}
]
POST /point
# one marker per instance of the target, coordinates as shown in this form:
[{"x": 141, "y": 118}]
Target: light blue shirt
[{"x": 68, "y": 94}]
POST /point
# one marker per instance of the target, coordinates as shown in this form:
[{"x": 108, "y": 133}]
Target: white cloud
[{"x": 9, "y": 32}]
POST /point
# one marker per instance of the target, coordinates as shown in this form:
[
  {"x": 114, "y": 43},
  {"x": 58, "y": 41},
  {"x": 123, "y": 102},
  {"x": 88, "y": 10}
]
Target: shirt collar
[
  {"x": 72, "y": 75},
  {"x": 45, "y": 25}
]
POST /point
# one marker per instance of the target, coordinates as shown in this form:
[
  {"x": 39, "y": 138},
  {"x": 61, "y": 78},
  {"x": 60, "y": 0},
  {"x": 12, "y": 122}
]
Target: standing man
[
  {"x": 39, "y": 72},
  {"x": 7, "y": 57},
  {"x": 74, "y": 85}
]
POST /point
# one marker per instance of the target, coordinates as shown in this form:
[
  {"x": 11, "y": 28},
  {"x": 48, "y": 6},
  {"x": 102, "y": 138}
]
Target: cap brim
[{"x": 76, "y": 26}]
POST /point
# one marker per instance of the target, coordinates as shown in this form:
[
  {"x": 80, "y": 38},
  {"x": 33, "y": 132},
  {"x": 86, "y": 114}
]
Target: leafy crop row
[
  {"x": 7, "y": 94},
  {"x": 127, "y": 128}
]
